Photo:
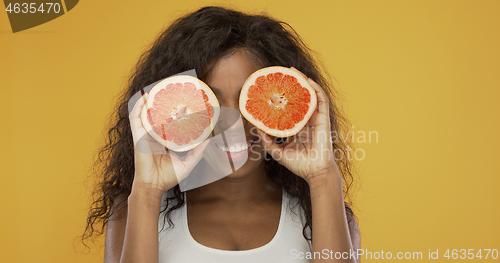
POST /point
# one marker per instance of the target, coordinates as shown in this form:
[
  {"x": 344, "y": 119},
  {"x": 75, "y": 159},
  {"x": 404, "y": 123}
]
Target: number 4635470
[
  {"x": 33, "y": 8},
  {"x": 470, "y": 254}
]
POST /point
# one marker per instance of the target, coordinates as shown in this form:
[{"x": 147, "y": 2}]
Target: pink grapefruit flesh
[
  {"x": 180, "y": 112},
  {"x": 277, "y": 100}
]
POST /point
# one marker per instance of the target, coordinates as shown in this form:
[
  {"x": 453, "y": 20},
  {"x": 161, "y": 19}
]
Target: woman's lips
[
  {"x": 230, "y": 140},
  {"x": 236, "y": 149}
]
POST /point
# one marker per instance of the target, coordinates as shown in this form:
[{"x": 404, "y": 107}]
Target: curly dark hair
[{"x": 192, "y": 42}]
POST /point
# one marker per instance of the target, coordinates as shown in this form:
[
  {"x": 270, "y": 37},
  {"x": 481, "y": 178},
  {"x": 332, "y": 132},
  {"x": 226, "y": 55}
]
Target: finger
[
  {"x": 136, "y": 110},
  {"x": 195, "y": 155},
  {"x": 138, "y": 130},
  {"x": 323, "y": 102},
  {"x": 270, "y": 146},
  {"x": 190, "y": 160}
]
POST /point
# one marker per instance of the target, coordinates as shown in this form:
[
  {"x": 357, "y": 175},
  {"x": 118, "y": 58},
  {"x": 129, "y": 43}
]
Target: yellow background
[{"x": 423, "y": 74}]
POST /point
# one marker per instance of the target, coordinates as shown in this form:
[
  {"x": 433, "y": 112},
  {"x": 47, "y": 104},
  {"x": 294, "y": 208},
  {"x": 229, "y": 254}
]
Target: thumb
[
  {"x": 195, "y": 155},
  {"x": 270, "y": 146}
]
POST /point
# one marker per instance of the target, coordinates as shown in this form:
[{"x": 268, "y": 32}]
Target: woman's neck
[{"x": 240, "y": 189}]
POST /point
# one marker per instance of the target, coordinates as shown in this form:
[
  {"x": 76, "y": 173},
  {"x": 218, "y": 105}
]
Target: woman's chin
[{"x": 233, "y": 164}]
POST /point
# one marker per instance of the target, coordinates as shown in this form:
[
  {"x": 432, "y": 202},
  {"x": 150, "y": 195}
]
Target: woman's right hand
[{"x": 156, "y": 168}]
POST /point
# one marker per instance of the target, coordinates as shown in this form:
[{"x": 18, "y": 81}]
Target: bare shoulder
[
  {"x": 354, "y": 231},
  {"x": 115, "y": 230}
]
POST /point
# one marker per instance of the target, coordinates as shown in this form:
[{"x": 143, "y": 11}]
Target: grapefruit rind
[
  {"x": 212, "y": 99},
  {"x": 259, "y": 124}
]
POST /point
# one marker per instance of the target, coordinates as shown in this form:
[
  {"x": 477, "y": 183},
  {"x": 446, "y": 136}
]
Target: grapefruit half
[
  {"x": 277, "y": 100},
  {"x": 180, "y": 113}
]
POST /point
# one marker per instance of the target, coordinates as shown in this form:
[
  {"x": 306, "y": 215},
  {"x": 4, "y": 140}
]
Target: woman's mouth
[
  {"x": 235, "y": 147},
  {"x": 230, "y": 153}
]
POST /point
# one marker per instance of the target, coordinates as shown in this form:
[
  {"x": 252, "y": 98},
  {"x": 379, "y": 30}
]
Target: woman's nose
[{"x": 229, "y": 119}]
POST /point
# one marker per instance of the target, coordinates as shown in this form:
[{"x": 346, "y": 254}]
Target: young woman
[{"x": 285, "y": 204}]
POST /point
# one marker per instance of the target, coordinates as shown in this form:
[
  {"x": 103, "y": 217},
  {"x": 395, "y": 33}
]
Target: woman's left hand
[{"x": 309, "y": 153}]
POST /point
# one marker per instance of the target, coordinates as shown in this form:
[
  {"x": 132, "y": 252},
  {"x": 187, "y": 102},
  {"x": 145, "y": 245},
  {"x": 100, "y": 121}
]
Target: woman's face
[{"x": 235, "y": 149}]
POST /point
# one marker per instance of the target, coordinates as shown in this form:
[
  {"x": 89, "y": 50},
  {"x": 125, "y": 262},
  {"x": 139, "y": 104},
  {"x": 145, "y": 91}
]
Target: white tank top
[{"x": 177, "y": 245}]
